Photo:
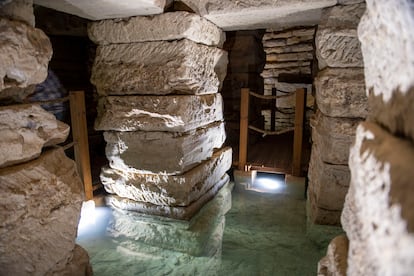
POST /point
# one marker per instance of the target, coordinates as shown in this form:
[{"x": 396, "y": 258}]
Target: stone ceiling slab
[
  {"x": 98, "y": 9},
  {"x": 253, "y": 14}
]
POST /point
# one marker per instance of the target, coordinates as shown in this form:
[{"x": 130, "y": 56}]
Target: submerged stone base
[
  {"x": 200, "y": 236},
  {"x": 168, "y": 190},
  {"x": 175, "y": 212}
]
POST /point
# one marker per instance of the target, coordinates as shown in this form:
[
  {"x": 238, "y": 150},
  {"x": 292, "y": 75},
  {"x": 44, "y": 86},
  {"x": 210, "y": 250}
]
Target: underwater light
[{"x": 269, "y": 182}]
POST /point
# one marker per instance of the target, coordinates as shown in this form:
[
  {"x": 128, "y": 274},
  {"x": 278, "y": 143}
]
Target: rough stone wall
[
  {"x": 41, "y": 192},
  {"x": 378, "y": 212},
  {"x": 160, "y": 112},
  {"x": 342, "y": 104},
  {"x": 289, "y": 52},
  {"x": 246, "y": 61}
]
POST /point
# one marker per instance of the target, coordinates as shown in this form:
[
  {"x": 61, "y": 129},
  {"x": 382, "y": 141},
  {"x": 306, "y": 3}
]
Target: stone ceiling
[{"x": 228, "y": 15}]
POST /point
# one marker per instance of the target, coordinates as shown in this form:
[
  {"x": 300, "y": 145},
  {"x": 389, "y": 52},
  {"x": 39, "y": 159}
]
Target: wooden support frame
[
  {"x": 298, "y": 134},
  {"x": 244, "y": 128},
  {"x": 80, "y": 139}
]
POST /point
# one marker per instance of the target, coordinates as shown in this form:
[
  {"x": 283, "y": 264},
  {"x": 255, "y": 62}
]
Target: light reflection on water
[{"x": 264, "y": 234}]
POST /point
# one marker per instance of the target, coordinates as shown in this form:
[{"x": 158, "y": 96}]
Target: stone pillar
[
  {"x": 158, "y": 79},
  {"x": 41, "y": 192},
  {"x": 342, "y": 104},
  {"x": 378, "y": 212},
  {"x": 288, "y": 52},
  {"x": 377, "y": 215}
]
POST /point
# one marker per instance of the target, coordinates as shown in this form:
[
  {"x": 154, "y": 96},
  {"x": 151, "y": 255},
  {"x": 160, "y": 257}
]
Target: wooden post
[
  {"x": 273, "y": 111},
  {"x": 244, "y": 127},
  {"x": 298, "y": 134},
  {"x": 80, "y": 139}
]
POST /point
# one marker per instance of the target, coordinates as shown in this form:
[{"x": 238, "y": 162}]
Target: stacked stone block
[
  {"x": 342, "y": 104},
  {"x": 378, "y": 213},
  {"x": 291, "y": 52},
  {"x": 161, "y": 113},
  {"x": 41, "y": 192}
]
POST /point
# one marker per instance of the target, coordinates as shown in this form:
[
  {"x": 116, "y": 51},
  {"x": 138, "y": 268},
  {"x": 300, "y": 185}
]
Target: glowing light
[
  {"x": 267, "y": 183},
  {"x": 93, "y": 220}
]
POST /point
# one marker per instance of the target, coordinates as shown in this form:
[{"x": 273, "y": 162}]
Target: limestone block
[
  {"x": 378, "y": 214},
  {"x": 78, "y": 264},
  {"x": 289, "y": 56},
  {"x": 173, "y": 113},
  {"x": 286, "y": 42},
  {"x": 336, "y": 40},
  {"x": 25, "y": 54},
  {"x": 169, "y": 190},
  {"x": 25, "y": 130},
  {"x": 162, "y": 152},
  {"x": 166, "y": 26},
  {"x": 335, "y": 261},
  {"x": 334, "y": 137},
  {"x": 191, "y": 237},
  {"x": 297, "y": 32},
  {"x": 40, "y": 204},
  {"x": 253, "y": 14},
  {"x": 21, "y": 10},
  {"x": 274, "y": 73},
  {"x": 328, "y": 182},
  {"x": 304, "y": 47},
  {"x": 350, "y": 2},
  {"x": 287, "y": 64},
  {"x": 318, "y": 215},
  {"x": 340, "y": 92},
  {"x": 174, "y": 212},
  {"x": 385, "y": 32},
  {"x": 158, "y": 68}
]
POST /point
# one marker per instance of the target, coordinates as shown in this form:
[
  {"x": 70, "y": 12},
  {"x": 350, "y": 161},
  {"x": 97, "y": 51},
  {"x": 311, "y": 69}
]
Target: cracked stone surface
[
  {"x": 173, "y": 113},
  {"x": 27, "y": 226},
  {"x": 158, "y": 68},
  {"x": 167, "y": 26},
  {"x": 25, "y": 130}
]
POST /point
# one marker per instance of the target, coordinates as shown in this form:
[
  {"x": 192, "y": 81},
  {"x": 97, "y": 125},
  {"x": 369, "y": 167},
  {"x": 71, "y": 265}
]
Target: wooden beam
[
  {"x": 298, "y": 135},
  {"x": 273, "y": 111},
  {"x": 80, "y": 139},
  {"x": 244, "y": 127}
]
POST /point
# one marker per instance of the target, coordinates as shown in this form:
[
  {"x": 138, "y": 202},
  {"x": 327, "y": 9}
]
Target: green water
[{"x": 264, "y": 234}]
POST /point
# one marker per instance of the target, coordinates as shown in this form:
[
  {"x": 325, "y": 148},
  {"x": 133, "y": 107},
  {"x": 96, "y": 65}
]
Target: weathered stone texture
[
  {"x": 337, "y": 43},
  {"x": 25, "y": 54},
  {"x": 169, "y": 190},
  {"x": 176, "y": 113},
  {"x": 15, "y": 94},
  {"x": 333, "y": 137},
  {"x": 158, "y": 68},
  {"x": 386, "y": 34},
  {"x": 40, "y": 202},
  {"x": 167, "y": 26},
  {"x": 378, "y": 215},
  {"x": 174, "y": 212},
  {"x": 329, "y": 183},
  {"x": 78, "y": 264},
  {"x": 340, "y": 92},
  {"x": 25, "y": 130},
  {"x": 318, "y": 215},
  {"x": 21, "y": 10},
  {"x": 162, "y": 152},
  {"x": 335, "y": 261},
  {"x": 192, "y": 237},
  {"x": 394, "y": 114}
]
